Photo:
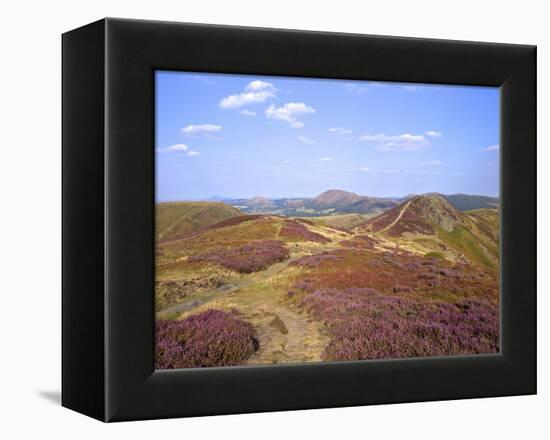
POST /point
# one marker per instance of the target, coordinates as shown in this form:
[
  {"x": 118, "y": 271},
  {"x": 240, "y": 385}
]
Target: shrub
[
  {"x": 365, "y": 324},
  {"x": 209, "y": 339},
  {"x": 398, "y": 288},
  {"x": 361, "y": 242},
  {"x": 294, "y": 230},
  {"x": 362, "y": 268},
  {"x": 251, "y": 257},
  {"x": 315, "y": 260}
]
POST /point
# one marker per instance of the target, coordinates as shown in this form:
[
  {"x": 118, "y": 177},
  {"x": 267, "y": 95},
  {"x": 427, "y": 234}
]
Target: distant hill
[
  {"x": 466, "y": 202},
  {"x": 175, "y": 219},
  {"x": 335, "y": 198},
  {"x": 260, "y": 202},
  {"x": 336, "y": 201},
  {"x": 333, "y": 201},
  {"x": 348, "y": 202}
]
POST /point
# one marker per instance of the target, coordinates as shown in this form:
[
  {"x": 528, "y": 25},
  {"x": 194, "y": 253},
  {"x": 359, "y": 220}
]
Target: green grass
[
  {"x": 177, "y": 218},
  {"x": 488, "y": 215},
  {"x": 438, "y": 255},
  {"x": 346, "y": 221},
  {"x": 462, "y": 240}
]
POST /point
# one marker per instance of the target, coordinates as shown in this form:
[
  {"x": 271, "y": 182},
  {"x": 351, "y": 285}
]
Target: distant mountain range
[{"x": 337, "y": 201}]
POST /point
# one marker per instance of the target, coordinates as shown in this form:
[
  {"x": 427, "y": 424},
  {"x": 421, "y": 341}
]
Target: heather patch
[
  {"x": 294, "y": 230},
  {"x": 316, "y": 260},
  {"x": 234, "y": 221},
  {"x": 393, "y": 273},
  {"x": 209, "y": 339},
  {"x": 361, "y": 241},
  {"x": 248, "y": 258},
  {"x": 366, "y": 324}
]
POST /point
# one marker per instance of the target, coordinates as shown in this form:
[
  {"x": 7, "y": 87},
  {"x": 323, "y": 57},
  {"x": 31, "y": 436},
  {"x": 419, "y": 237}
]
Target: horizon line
[{"x": 215, "y": 198}]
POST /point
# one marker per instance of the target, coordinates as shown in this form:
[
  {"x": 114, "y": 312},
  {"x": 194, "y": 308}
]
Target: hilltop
[
  {"x": 430, "y": 224},
  {"x": 348, "y": 202},
  {"x": 420, "y": 214},
  {"x": 335, "y": 198}
]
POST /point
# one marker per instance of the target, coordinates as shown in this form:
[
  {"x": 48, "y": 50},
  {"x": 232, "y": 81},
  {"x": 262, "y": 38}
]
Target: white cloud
[
  {"x": 365, "y": 169},
  {"x": 180, "y": 148},
  {"x": 255, "y": 92},
  {"x": 201, "y": 129},
  {"x": 433, "y": 133},
  {"x": 171, "y": 148},
  {"x": 433, "y": 163},
  {"x": 493, "y": 148},
  {"x": 388, "y": 171},
  {"x": 257, "y": 85},
  {"x": 400, "y": 142},
  {"x": 355, "y": 88},
  {"x": 410, "y": 88},
  {"x": 306, "y": 140},
  {"x": 288, "y": 113},
  {"x": 339, "y": 130},
  {"x": 325, "y": 159},
  {"x": 247, "y": 113}
]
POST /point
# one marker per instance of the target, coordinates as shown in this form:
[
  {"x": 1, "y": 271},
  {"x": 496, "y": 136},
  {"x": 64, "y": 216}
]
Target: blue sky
[{"x": 241, "y": 136}]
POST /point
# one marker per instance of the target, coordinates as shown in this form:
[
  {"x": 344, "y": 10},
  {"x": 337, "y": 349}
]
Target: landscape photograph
[{"x": 313, "y": 220}]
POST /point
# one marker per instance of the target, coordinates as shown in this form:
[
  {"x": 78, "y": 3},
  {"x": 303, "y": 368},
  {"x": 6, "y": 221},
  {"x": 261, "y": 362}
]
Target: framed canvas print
[{"x": 260, "y": 220}]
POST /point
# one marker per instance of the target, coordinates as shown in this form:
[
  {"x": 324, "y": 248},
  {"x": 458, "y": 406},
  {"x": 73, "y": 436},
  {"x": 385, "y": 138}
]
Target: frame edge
[{"x": 83, "y": 100}]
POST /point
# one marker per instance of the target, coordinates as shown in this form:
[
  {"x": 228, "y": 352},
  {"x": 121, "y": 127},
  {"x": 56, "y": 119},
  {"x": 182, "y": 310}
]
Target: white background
[{"x": 30, "y": 218}]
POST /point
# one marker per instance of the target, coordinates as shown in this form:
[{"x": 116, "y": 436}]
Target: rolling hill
[
  {"x": 175, "y": 219},
  {"x": 348, "y": 202},
  {"x": 432, "y": 223},
  {"x": 421, "y": 214},
  {"x": 336, "y": 202}
]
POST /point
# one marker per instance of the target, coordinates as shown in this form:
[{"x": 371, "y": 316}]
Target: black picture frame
[{"x": 108, "y": 219}]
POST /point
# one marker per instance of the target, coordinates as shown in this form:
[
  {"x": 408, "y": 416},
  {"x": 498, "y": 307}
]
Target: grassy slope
[
  {"x": 462, "y": 240},
  {"x": 489, "y": 216},
  {"x": 177, "y": 218},
  {"x": 346, "y": 221}
]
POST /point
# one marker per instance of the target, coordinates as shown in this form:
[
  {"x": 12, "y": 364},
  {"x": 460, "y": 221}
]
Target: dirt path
[
  {"x": 398, "y": 217},
  {"x": 201, "y": 297},
  {"x": 286, "y": 334}
]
